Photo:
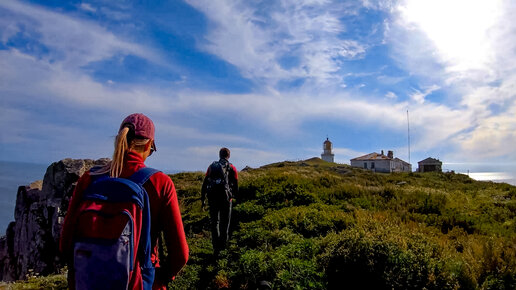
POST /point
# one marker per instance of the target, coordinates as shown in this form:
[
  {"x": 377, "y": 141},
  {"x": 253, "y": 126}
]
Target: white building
[
  {"x": 381, "y": 163},
  {"x": 327, "y": 154}
]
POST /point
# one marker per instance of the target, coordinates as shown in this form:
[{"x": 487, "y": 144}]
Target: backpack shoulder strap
[
  {"x": 226, "y": 169},
  {"x": 144, "y": 251},
  {"x": 141, "y": 176}
]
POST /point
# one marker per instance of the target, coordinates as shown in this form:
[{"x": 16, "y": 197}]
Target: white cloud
[
  {"x": 56, "y": 71},
  {"x": 468, "y": 48},
  {"x": 494, "y": 136},
  {"x": 87, "y": 7},
  {"x": 379, "y": 4},
  {"x": 389, "y": 80},
  {"x": 307, "y": 31},
  {"x": 71, "y": 42},
  {"x": 461, "y": 42},
  {"x": 494, "y": 110},
  {"x": 391, "y": 95},
  {"x": 432, "y": 125},
  {"x": 460, "y": 30},
  {"x": 27, "y": 79},
  {"x": 477, "y": 69},
  {"x": 419, "y": 97},
  {"x": 483, "y": 97}
]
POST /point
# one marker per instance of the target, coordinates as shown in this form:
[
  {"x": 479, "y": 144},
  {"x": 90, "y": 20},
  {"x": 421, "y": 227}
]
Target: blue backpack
[{"x": 113, "y": 233}]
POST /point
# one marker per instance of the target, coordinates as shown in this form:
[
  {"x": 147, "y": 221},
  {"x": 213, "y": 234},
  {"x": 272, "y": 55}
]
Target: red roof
[{"x": 372, "y": 156}]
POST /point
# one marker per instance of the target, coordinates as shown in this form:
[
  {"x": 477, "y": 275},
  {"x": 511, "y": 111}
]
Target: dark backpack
[
  {"x": 218, "y": 187},
  {"x": 113, "y": 232}
]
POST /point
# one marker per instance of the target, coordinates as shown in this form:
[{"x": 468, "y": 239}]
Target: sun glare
[{"x": 460, "y": 29}]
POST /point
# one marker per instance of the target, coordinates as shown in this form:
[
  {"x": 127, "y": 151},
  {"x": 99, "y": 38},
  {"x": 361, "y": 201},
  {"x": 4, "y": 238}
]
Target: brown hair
[
  {"x": 124, "y": 141},
  {"x": 224, "y": 153}
]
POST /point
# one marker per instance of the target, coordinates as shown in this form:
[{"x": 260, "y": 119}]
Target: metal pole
[{"x": 408, "y": 133}]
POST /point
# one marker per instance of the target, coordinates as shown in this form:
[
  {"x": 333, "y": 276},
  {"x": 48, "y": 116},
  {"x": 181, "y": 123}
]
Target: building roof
[
  {"x": 372, "y": 156},
  {"x": 377, "y": 156},
  {"x": 399, "y": 160},
  {"x": 430, "y": 160}
]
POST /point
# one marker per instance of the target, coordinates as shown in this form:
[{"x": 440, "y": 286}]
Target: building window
[
  {"x": 372, "y": 165},
  {"x": 365, "y": 165}
]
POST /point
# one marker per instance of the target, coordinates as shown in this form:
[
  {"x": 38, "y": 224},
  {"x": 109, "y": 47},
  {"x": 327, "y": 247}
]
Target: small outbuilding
[{"x": 430, "y": 165}]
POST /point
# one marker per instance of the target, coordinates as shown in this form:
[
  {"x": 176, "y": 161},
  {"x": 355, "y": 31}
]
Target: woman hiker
[{"x": 133, "y": 145}]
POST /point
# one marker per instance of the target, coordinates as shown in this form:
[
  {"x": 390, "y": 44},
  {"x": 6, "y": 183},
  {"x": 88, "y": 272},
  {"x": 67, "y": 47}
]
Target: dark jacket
[{"x": 232, "y": 179}]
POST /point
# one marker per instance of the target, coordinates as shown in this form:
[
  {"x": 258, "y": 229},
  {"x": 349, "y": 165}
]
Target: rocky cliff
[{"x": 31, "y": 241}]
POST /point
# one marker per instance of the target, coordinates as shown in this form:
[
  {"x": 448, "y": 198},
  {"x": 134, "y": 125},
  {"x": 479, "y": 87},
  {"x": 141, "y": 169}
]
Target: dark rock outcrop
[{"x": 32, "y": 240}]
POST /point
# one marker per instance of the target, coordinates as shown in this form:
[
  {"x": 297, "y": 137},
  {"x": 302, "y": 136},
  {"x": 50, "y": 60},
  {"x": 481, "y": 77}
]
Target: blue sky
[{"x": 268, "y": 79}]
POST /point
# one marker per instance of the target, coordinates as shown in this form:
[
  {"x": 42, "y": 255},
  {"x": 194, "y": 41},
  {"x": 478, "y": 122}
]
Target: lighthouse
[{"x": 327, "y": 154}]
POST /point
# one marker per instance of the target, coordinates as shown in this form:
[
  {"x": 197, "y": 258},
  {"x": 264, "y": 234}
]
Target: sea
[
  {"x": 506, "y": 177},
  {"x": 14, "y": 174}
]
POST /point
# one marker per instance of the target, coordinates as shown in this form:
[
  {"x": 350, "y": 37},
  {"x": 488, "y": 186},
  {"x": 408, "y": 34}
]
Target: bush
[
  {"x": 55, "y": 282},
  {"x": 310, "y": 221},
  {"x": 356, "y": 259},
  {"x": 314, "y": 225}
]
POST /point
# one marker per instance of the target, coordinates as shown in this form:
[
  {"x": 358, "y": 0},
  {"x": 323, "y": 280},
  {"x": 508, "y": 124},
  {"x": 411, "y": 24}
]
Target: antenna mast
[{"x": 408, "y": 134}]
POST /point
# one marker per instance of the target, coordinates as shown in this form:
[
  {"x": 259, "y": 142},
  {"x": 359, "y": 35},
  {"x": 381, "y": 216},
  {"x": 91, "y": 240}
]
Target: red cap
[{"x": 143, "y": 126}]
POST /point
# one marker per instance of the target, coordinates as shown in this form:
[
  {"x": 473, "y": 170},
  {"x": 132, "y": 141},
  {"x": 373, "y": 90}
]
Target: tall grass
[{"x": 318, "y": 225}]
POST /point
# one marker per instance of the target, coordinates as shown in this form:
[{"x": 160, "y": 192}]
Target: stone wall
[{"x": 32, "y": 239}]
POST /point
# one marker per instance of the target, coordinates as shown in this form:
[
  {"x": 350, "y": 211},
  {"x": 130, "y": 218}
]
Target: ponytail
[{"x": 121, "y": 146}]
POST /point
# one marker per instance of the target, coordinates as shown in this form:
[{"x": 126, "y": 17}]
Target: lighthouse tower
[{"x": 327, "y": 154}]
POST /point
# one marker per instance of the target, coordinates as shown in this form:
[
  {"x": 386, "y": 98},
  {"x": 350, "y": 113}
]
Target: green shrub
[
  {"x": 249, "y": 211},
  {"x": 358, "y": 259},
  {"x": 317, "y": 225},
  {"x": 308, "y": 225},
  {"x": 310, "y": 221},
  {"x": 285, "y": 195},
  {"x": 54, "y": 282}
]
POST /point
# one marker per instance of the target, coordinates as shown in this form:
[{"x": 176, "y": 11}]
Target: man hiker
[{"x": 220, "y": 186}]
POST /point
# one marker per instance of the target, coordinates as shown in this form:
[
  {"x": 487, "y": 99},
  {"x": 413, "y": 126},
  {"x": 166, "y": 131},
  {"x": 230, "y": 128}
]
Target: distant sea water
[
  {"x": 12, "y": 175},
  {"x": 496, "y": 172},
  {"x": 493, "y": 176}
]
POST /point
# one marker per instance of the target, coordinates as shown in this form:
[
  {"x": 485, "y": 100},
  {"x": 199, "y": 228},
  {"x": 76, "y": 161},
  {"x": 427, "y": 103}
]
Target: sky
[{"x": 271, "y": 80}]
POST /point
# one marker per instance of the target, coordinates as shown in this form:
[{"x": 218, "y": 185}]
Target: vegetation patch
[{"x": 317, "y": 225}]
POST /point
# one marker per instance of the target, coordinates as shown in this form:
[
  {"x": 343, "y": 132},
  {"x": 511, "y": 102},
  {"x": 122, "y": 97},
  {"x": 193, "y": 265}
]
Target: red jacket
[{"x": 165, "y": 216}]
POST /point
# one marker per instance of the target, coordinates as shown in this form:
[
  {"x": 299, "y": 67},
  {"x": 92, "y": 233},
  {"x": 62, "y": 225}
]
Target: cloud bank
[{"x": 277, "y": 78}]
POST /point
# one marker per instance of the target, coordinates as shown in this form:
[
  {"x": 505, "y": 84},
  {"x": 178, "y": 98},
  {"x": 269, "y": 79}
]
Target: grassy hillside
[
  {"x": 313, "y": 224},
  {"x": 319, "y": 225}
]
